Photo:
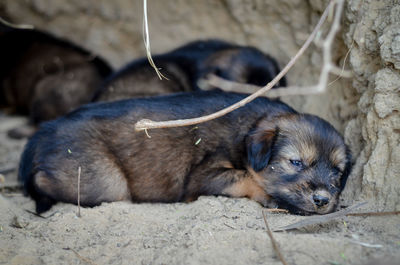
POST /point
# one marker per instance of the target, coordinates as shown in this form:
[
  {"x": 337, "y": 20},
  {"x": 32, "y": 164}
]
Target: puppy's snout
[{"x": 320, "y": 200}]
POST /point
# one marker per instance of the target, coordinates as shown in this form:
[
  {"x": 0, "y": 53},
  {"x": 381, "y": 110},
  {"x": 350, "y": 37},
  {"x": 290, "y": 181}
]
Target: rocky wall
[{"x": 373, "y": 33}]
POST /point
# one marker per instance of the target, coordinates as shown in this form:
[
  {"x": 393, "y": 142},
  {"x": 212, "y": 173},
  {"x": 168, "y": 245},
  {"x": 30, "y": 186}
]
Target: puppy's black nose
[{"x": 320, "y": 200}]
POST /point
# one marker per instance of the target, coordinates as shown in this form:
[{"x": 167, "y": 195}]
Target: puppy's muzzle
[{"x": 320, "y": 200}]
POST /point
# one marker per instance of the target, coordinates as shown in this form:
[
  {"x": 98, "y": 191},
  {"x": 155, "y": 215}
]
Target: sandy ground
[{"x": 211, "y": 230}]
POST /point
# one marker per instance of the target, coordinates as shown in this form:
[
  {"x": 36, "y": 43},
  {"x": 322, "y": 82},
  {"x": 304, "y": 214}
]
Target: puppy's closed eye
[{"x": 298, "y": 164}]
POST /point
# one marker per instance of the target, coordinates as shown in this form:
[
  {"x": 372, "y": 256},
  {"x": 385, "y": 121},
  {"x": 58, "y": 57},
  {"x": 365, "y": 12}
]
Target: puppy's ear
[
  {"x": 347, "y": 169},
  {"x": 259, "y": 143}
]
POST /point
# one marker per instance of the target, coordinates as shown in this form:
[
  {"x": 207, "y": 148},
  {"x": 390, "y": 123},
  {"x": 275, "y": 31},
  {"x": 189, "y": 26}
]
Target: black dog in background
[
  {"x": 186, "y": 67},
  {"x": 44, "y": 76}
]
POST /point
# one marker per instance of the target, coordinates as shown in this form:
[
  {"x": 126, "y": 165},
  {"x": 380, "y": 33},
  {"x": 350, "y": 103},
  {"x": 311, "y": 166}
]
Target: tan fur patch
[
  {"x": 246, "y": 187},
  {"x": 290, "y": 151},
  {"x": 308, "y": 152},
  {"x": 338, "y": 158},
  {"x": 42, "y": 181},
  {"x": 256, "y": 177},
  {"x": 226, "y": 164}
]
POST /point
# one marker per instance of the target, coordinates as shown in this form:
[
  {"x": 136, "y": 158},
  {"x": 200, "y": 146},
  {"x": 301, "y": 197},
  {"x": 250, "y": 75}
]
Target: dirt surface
[
  {"x": 211, "y": 230},
  {"x": 222, "y": 230}
]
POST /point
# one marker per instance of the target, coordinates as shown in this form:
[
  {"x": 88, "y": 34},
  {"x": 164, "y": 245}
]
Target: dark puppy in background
[
  {"x": 44, "y": 76},
  {"x": 186, "y": 67},
  {"x": 265, "y": 151}
]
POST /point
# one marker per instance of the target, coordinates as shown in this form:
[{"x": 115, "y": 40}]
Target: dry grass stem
[
  {"x": 319, "y": 219},
  {"x": 16, "y": 26},
  {"x": 146, "y": 39},
  {"x": 2, "y": 181},
  {"x": 148, "y": 124},
  {"x": 344, "y": 63},
  {"x": 230, "y": 226},
  {"x": 365, "y": 244},
  {"x": 276, "y": 210},
  {"x": 79, "y": 192},
  {"x": 147, "y": 134},
  {"x": 374, "y": 213},
  {"x": 8, "y": 170},
  {"x": 35, "y": 214},
  {"x": 273, "y": 241},
  {"x": 10, "y": 195},
  {"x": 86, "y": 260}
]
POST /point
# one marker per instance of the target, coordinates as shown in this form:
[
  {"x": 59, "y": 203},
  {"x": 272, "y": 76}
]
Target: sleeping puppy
[
  {"x": 265, "y": 151},
  {"x": 187, "y": 67},
  {"x": 43, "y": 76}
]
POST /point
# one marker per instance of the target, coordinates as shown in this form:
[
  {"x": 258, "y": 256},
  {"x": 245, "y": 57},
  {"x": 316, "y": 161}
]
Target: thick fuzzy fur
[{"x": 265, "y": 151}]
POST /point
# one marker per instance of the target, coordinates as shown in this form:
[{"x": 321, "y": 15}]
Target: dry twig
[
  {"x": 149, "y": 124},
  {"x": 319, "y": 219},
  {"x": 273, "y": 241},
  {"x": 327, "y": 68}
]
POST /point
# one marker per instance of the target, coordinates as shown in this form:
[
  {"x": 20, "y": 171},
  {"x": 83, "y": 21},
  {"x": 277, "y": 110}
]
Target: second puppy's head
[{"x": 300, "y": 160}]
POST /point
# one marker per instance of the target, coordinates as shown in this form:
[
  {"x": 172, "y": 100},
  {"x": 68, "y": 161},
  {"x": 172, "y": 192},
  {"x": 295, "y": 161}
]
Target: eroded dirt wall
[{"x": 373, "y": 32}]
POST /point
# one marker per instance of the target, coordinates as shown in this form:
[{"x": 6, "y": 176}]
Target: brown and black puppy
[
  {"x": 43, "y": 76},
  {"x": 265, "y": 151},
  {"x": 186, "y": 67}
]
